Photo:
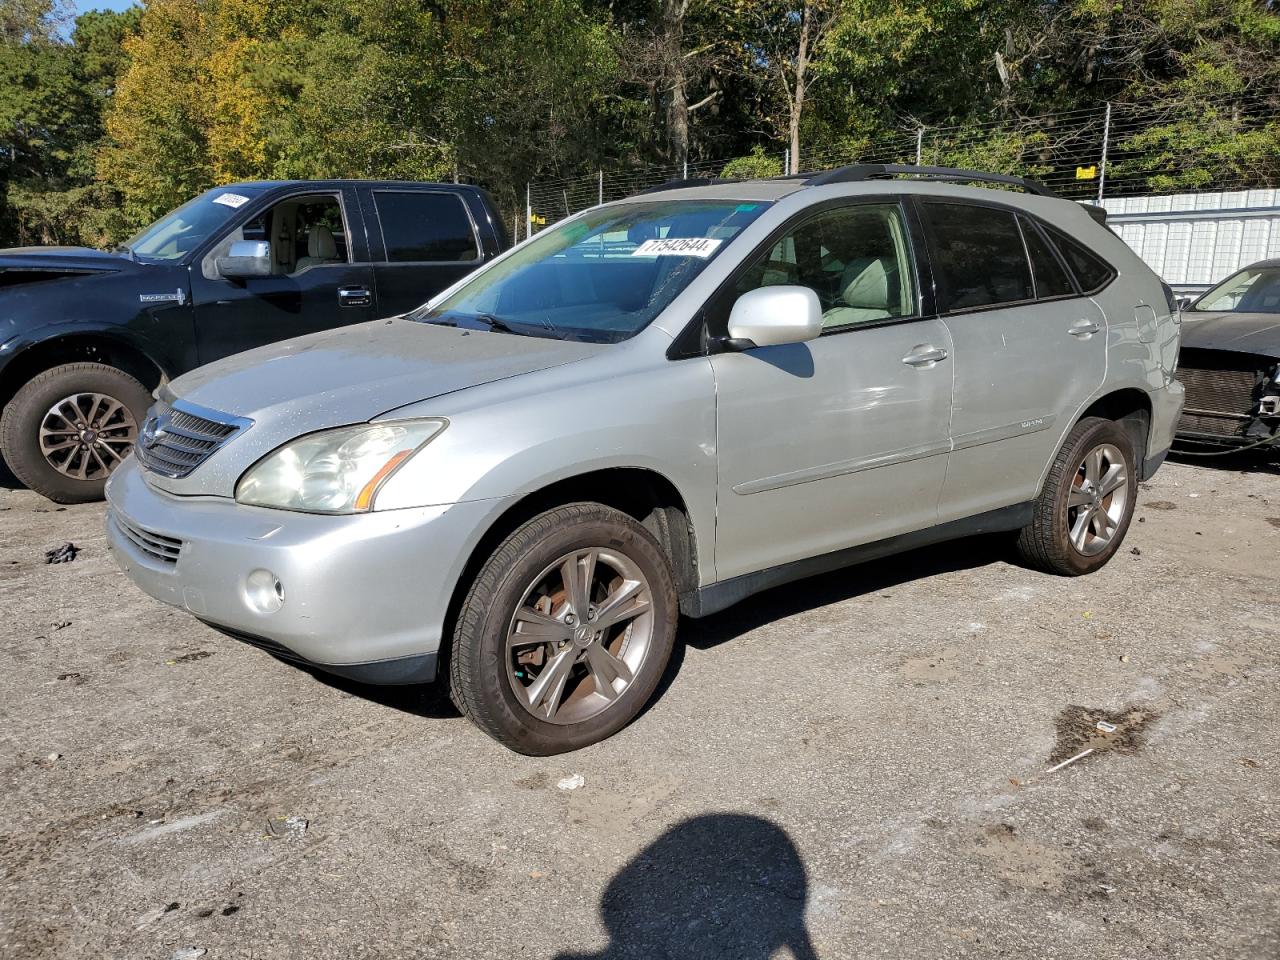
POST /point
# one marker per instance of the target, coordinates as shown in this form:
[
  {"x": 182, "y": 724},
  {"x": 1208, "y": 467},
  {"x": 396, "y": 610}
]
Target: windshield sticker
[
  {"x": 233, "y": 200},
  {"x": 678, "y": 247}
]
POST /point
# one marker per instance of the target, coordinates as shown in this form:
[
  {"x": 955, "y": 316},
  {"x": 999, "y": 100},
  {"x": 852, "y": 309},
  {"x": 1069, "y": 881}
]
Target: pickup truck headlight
[{"x": 334, "y": 471}]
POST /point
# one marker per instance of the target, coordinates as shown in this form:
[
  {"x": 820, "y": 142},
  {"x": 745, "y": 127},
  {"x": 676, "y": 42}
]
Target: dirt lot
[{"x": 849, "y": 767}]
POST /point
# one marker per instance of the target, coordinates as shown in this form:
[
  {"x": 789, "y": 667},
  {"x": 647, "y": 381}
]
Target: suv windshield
[
  {"x": 178, "y": 233},
  {"x": 1254, "y": 290},
  {"x": 601, "y": 277}
]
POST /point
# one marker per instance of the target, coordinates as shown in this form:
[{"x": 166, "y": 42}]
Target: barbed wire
[{"x": 1086, "y": 153}]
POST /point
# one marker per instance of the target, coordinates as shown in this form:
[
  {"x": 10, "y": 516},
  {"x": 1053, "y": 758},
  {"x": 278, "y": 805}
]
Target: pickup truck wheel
[
  {"x": 65, "y": 431},
  {"x": 565, "y": 632},
  {"x": 1084, "y": 510}
]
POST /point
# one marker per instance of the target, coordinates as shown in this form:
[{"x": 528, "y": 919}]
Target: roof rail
[
  {"x": 684, "y": 183},
  {"x": 872, "y": 171}
]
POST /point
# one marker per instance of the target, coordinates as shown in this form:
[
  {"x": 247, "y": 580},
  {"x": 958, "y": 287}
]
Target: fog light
[{"x": 263, "y": 591}]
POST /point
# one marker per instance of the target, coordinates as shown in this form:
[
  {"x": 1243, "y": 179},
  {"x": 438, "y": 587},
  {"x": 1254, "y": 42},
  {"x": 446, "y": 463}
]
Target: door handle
[
  {"x": 354, "y": 296},
  {"x": 1084, "y": 329},
  {"x": 925, "y": 355}
]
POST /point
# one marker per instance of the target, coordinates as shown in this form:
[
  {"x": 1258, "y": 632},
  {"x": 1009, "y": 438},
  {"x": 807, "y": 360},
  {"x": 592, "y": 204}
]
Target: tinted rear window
[
  {"x": 1051, "y": 278},
  {"x": 425, "y": 226},
  {"x": 1092, "y": 272},
  {"x": 978, "y": 257}
]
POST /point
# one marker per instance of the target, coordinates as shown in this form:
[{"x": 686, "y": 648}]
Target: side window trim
[
  {"x": 721, "y": 301},
  {"x": 1038, "y": 227},
  {"x": 477, "y": 245}
]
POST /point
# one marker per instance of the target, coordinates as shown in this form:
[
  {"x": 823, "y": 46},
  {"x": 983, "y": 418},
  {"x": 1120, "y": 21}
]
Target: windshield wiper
[{"x": 496, "y": 324}]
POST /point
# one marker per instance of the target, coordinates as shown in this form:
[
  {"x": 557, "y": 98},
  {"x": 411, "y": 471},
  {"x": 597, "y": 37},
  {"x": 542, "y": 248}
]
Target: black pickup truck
[{"x": 86, "y": 335}]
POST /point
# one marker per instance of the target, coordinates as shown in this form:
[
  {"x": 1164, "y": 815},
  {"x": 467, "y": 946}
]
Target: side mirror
[
  {"x": 769, "y": 316},
  {"x": 1184, "y": 303},
  {"x": 247, "y": 258}
]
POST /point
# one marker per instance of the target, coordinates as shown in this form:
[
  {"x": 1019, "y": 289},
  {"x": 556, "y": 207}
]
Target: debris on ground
[
  {"x": 572, "y": 782},
  {"x": 1160, "y": 505},
  {"x": 188, "y": 953},
  {"x": 189, "y": 657},
  {"x": 1099, "y": 731},
  {"x": 291, "y": 828},
  {"x": 61, "y": 624},
  {"x": 1250, "y": 762},
  {"x": 53, "y": 756},
  {"x": 63, "y": 554},
  {"x": 1136, "y": 552}
]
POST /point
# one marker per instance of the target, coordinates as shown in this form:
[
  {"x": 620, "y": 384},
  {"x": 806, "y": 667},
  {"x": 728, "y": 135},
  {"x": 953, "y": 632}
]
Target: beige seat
[
  {"x": 864, "y": 294},
  {"x": 321, "y": 248}
]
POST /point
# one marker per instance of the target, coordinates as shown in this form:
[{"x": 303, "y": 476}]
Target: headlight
[{"x": 336, "y": 471}]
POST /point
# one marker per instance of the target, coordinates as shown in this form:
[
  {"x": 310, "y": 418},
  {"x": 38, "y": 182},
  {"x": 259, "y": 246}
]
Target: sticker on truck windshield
[
  {"x": 678, "y": 247},
  {"x": 232, "y": 200}
]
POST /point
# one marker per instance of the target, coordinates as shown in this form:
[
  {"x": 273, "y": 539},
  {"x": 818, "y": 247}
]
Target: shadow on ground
[
  {"x": 432, "y": 700},
  {"x": 718, "y": 885}
]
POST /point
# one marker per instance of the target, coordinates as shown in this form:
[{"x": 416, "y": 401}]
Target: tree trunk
[
  {"x": 677, "y": 99},
  {"x": 796, "y": 99}
]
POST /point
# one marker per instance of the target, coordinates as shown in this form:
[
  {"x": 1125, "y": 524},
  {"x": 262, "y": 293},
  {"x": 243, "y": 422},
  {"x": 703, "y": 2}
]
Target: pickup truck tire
[
  {"x": 565, "y": 632},
  {"x": 55, "y": 453},
  {"x": 1085, "y": 507}
]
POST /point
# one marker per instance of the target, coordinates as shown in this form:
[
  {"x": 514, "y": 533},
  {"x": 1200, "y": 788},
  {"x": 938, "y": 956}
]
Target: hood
[
  {"x": 354, "y": 373},
  {"x": 61, "y": 259},
  {"x": 1257, "y": 333},
  {"x": 344, "y": 376}
]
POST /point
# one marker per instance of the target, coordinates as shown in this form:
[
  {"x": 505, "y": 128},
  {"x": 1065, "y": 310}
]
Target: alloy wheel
[
  {"x": 580, "y": 634},
  {"x": 87, "y": 435},
  {"x": 1097, "y": 500}
]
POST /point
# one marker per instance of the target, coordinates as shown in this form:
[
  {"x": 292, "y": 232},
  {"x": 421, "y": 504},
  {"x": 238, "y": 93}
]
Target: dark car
[
  {"x": 1230, "y": 362},
  {"x": 86, "y": 335}
]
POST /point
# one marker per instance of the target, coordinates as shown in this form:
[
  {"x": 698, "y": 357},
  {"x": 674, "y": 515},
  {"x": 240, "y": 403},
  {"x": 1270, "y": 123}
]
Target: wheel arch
[
  {"x": 1131, "y": 409},
  {"x": 641, "y": 493},
  {"x": 79, "y": 348}
]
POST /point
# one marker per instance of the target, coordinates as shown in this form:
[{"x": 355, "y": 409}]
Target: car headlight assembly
[{"x": 334, "y": 471}]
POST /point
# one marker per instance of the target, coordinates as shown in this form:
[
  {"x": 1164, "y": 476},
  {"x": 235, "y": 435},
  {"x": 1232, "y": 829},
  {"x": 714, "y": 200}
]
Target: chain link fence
[{"x": 1091, "y": 154}]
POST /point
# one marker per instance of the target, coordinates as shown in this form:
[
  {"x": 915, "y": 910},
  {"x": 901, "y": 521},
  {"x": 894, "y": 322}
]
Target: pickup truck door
[
  {"x": 421, "y": 242},
  {"x": 321, "y": 284}
]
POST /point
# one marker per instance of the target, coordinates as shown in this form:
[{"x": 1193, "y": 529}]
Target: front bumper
[{"x": 365, "y": 596}]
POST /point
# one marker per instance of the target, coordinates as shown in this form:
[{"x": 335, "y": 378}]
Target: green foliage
[{"x": 754, "y": 165}]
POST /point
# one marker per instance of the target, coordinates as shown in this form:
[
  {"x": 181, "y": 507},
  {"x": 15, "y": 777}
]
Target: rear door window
[
  {"x": 978, "y": 256},
  {"x": 425, "y": 227},
  {"x": 1051, "y": 277}
]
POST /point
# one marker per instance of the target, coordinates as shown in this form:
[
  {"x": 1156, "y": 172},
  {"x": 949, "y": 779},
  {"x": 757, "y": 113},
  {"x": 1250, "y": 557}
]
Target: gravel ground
[{"x": 853, "y": 766}]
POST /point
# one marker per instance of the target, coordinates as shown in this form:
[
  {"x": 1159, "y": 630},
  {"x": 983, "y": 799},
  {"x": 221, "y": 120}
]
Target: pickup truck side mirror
[
  {"x": 769, "y": 316},
  {"x": 1184, "y": 303},
  {"x": 247, "y": 258}
]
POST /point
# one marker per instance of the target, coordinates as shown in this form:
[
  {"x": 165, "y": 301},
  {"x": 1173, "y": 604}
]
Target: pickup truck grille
[
  {"x": 155, "y": 545},
  {"x": 174, "y": 441},
  {"x": 1221, "y": 392}
]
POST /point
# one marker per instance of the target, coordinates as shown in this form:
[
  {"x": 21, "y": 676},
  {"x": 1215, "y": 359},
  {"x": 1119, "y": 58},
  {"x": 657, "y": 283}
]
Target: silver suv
[{"x": 659, "y": 406}]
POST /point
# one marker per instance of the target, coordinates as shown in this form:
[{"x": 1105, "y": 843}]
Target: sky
[{"x": 82, "y": 5}]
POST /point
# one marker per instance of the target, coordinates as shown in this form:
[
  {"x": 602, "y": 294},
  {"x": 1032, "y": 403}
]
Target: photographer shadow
[{"x": 717, "y": 885}]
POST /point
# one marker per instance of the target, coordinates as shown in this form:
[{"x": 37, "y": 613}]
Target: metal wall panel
[{"x": 1193, "y": 240}]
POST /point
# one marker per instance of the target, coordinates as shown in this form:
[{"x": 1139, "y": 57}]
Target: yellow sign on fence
[{"x": 1087, "y": 173}]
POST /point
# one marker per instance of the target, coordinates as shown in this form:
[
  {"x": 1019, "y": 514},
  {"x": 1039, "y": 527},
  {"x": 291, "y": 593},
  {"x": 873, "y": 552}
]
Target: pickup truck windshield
[
  {"x": 601, "y": 277},
  {"x": 178, "y": 233}
]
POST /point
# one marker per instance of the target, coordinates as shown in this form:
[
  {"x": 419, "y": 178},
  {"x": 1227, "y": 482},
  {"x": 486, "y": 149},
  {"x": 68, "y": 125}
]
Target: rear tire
[
  {"x": 565, "y": 631},
  {"x": 1084, "y": 510},
  {"x": 67, "y": 428}
]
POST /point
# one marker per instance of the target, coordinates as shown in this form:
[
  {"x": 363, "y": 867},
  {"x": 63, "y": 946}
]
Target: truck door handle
[
  {"x": 925, "y": 355},
  {"x": 1084, "y": 329},
  {"x": 354, "y": 296}
]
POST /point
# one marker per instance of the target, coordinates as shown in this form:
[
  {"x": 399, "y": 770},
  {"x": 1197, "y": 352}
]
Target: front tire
[
  {"x": 1084, "y": 510},
  {"x": 565, "y": 631},
  {"x": 67, "y": 428}
]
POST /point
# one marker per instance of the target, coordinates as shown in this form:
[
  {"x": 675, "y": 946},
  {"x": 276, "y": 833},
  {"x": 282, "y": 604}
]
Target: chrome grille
[
  {"x": 174, "y": 440},
  {"x": 1221, "y": 392},
  {"x": 155, "y": 545}
]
